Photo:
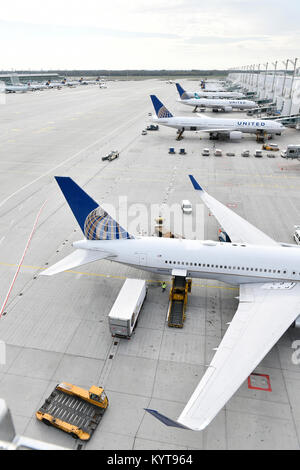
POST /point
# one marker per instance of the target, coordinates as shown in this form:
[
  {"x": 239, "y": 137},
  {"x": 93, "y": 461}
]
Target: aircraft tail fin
[
  {"x": 95, "y": 223},
  {"x": 182, "y": 93},
  {"x": 160, "y": 110}
]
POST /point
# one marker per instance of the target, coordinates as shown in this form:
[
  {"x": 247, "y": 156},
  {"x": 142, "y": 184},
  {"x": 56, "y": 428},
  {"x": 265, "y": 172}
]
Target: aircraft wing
[
  {"x": 77, "y": 258},
  {"x": 265, "y": 312},
  {"x": 238, "y": 229}
]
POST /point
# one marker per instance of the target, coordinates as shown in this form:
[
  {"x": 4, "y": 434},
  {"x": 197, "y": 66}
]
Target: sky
[{"x": 147, "y": 34}]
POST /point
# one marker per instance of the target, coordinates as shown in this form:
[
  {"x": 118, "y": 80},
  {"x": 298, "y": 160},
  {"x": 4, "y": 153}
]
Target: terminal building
[{"x": 282, "y": 89}]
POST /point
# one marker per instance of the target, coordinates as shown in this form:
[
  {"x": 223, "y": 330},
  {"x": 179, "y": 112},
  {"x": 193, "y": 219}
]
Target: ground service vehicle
[
  {"x": 124, "y": 314},
  {"x": 205, "y": 152},
  {"x": 111, "y": 156},
  {"x": 186, "y": 207},
  {"x": 258, "y": 153},
  {"x": 292, "y": 151},
  {"x": 218, "y": 153},
  {"x": 152, "y": 127},
  {"x": 74, "y": 410},
  {"x": 297, "y": 234},
  {"x": 273, "y": 147}
]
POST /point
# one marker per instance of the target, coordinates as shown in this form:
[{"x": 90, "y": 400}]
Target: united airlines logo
[
  {"x": 101, "y": 226},
  {"x": 251, "y": 123},
  {"x": 163, "y": 113}
]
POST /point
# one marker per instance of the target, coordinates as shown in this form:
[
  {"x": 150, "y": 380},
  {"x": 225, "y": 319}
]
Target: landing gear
[
  {"x": 180, "y": 134},
  {"x": 261, "y": 137},
  {"x": 213, "y": 136},
  {"x": 196, "y": 109}
]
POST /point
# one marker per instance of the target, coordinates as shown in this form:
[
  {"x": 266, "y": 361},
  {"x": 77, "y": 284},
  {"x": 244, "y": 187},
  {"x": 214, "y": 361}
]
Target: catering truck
[{"x": 126, "y": 309}]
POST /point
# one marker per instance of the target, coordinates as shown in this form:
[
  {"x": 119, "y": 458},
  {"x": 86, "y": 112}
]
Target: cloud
[{"x": 146, "y": 34}]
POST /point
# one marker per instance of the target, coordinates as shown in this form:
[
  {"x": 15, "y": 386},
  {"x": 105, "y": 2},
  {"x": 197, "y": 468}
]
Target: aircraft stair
[{"x": 181, "y": 286}]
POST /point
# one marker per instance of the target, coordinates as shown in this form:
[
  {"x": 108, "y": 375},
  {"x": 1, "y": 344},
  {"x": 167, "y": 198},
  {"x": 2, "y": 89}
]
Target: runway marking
[
  {"x": 72, "y": 157},
  {"x": 110, "y": 276}
]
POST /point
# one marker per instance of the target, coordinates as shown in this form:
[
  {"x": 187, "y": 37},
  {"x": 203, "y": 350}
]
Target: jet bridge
[
  {"x": 291, "y": 120},
  {"x": 262, "y": 109},
  {"x": 181, "y": 287}
]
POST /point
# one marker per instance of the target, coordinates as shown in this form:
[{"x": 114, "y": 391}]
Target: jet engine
[
  {"x": 228, "y": 109},
  {"x": 296, "y": 323},
  {"x": 235, "y": 135}
]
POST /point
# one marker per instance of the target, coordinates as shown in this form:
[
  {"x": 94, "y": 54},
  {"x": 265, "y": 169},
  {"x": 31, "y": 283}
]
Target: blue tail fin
[
  {"x": 160, "y": 110},
  {"x": 182, "y": 92},
  {"x": 94, "y": 222}
]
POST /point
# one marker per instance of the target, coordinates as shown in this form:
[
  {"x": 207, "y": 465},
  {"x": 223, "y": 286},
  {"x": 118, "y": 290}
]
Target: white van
[
  {"x": 126, "y": 309},
  {"x": 186, "y": 207}
]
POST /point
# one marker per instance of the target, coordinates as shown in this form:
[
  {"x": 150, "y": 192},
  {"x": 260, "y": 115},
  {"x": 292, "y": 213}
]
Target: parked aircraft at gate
[
  {"x": 267, "y": 273},
  {"x": 233, "y": 128},
  {"x": 215, "y": 104}
]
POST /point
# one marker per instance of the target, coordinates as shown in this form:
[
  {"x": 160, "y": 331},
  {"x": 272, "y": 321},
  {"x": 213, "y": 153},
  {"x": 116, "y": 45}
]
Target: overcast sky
[{"x": 146, "y": 34}]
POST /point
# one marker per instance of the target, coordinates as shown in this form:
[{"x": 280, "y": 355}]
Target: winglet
[
  {"x": 165, "y": 420},
  {"x": 195, "y": 183}
]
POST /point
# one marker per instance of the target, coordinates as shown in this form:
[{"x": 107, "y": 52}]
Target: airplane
[
  {"x": 50, "y": 84},
  {"x": 233, "y": 128},
  {"x": 213, "y": 94},
  {"x": 267, "y": 273},
  {"x": 16, "y": 88},
  {"x": 36, "y": 86},
  {"x": 215, "y": 104}
]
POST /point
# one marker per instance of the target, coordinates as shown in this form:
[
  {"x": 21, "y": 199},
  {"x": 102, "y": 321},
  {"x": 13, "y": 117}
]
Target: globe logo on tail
[
  {"x": 99, "y": 225},
  {"x": 163, "y": 113}
]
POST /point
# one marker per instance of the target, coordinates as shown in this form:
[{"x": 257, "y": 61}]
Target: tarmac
[{"x": 56, "y": 328}]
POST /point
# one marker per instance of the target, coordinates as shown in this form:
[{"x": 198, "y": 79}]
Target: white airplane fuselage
[
  {"x": 232, "y": 263},
  {"x": 216, "y": 94},
  {"x": 249, "y": 126},
  {"x": 219, "y": 104},
  {"x": 16, "y": 88}
]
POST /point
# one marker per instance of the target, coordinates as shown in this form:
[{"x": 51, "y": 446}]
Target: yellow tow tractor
[
  {"x": 74, "y": 410},
  {"x": 273, "y": 147}
]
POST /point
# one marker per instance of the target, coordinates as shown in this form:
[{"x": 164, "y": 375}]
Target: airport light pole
[
  {"x": 252, "y": 76},
  {"x": 249, "y": 78},
  {"x": 266, "y": 73},
  {"x": 257, "y": 80},
  {"x": 274, "y": 76},
  {"x": 286, "y": 63},
  {"x": 294, "y": 62}
]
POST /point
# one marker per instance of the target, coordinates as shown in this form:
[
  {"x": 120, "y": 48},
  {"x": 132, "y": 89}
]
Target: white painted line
[{"x": 70, "y": 158}]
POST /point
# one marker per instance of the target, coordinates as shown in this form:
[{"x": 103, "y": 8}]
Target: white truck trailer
[{"x": 126, "y": 309}]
